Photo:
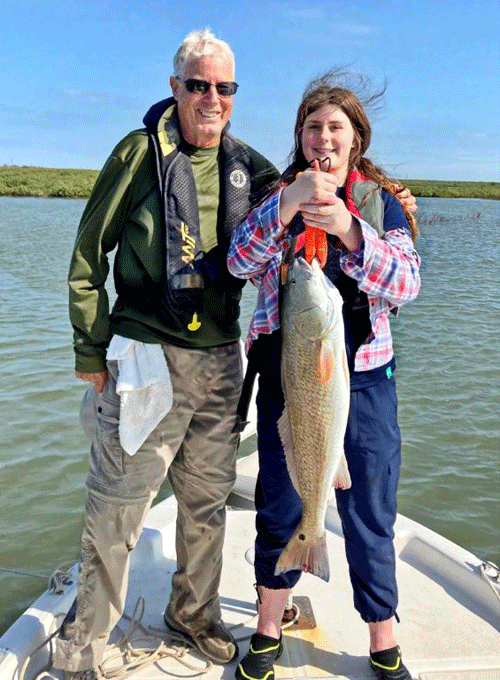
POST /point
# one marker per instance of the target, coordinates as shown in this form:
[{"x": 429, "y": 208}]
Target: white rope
[
  {"x": 19, "y": 572},
  {"x": 57, "y": 582},
  {"x": 59, "y": 578},
  {"x": 491, "y": 574},
  {"x": 44, "y": 673},
  {"x": 296, "y": 617},
  {"x": 126, "y": 658}
]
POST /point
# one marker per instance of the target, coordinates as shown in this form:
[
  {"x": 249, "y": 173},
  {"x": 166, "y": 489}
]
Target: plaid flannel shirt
[{"x": 386, "y": 269}]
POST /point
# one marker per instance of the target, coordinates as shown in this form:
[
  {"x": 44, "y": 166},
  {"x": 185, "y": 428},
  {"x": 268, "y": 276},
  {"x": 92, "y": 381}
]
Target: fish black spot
[{"x": 302, "y": 537}]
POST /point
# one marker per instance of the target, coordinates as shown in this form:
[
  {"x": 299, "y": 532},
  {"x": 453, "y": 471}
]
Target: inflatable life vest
[
  {"x": 188, "y": 270},
  {"x": 363, "y": 198}
]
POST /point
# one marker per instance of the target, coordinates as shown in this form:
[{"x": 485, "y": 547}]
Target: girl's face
[{"x": 328, "y": 133}]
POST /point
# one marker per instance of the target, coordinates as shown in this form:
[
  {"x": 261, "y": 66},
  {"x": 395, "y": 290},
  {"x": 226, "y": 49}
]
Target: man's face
[{"x": 203, "y": 116}]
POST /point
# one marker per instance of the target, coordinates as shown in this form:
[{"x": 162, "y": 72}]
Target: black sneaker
[
  {"x": 257, "y": 664},
  {"x": 388, "y": 665},
  {"x": 215, "y": 641}
]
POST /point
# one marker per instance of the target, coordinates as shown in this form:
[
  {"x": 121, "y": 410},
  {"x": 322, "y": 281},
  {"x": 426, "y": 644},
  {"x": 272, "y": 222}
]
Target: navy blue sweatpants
[{"x": 367, "y": 509}]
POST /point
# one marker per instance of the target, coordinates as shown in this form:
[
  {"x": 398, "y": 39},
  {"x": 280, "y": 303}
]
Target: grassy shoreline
[{"x": 66, "y": 183}]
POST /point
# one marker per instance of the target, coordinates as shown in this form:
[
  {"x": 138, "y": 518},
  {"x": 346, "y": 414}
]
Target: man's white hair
[{"x": 197, "y": 44}]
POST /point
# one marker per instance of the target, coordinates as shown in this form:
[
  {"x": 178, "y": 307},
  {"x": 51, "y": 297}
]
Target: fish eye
[{"x": 293, "y": 282}]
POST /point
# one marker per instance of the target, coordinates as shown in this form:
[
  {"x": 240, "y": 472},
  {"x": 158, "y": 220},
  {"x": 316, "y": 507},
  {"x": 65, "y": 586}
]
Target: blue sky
[{"x": 77, "y": 75}]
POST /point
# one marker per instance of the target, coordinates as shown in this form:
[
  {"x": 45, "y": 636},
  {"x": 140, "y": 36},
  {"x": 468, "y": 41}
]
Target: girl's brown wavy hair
[{"x": 326, "y": 90}]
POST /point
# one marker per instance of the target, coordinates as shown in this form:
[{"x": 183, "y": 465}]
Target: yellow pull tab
[{"x": 195, "y": 324}]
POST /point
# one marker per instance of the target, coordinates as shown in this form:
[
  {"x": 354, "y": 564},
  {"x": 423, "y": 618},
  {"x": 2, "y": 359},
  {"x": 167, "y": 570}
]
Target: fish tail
[{"x": 310, "y": 556}]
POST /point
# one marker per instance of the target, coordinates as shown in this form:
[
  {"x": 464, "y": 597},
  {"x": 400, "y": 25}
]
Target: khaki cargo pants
[{"x": 194, "y": 444}]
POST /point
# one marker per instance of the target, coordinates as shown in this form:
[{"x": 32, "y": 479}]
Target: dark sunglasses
[{"x": 224, "y": 89}]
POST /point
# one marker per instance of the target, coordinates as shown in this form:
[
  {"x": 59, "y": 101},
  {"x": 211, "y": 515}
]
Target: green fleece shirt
[
  {"x": 205, "y": 166},
  {"x": 123, "y": 213}
]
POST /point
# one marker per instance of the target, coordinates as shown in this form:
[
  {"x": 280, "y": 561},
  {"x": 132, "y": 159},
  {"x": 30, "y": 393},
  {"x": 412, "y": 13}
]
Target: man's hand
[
  {"x": 405, "y": 196},
  {"x": 99, "y": 379}
]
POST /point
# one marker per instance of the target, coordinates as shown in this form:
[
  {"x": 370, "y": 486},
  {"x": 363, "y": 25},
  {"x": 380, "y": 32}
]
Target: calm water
[{"x": 447, "y": 345}]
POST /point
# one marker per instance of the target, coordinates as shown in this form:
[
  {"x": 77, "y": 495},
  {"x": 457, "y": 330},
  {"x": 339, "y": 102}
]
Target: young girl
[{"x": 372, "y": 261}]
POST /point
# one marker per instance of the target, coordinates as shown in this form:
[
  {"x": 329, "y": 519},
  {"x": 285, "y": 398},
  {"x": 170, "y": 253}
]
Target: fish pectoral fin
[
  {"x": 325, "y": 363},
  {"x": 285, "y": 432},
  {"x": 342, "y": 479}
]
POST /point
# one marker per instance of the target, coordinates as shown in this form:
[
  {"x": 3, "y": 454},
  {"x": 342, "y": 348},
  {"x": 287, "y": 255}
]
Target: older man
[{"x": 168, "y": 198}]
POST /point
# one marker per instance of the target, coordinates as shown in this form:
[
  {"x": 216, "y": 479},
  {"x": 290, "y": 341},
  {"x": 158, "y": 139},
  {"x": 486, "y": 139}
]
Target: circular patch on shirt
[{"x": 238, "y": 178}]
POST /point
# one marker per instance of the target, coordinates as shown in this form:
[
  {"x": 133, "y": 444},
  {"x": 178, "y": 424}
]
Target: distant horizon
[
  {"x": 400, "y": 177},
  {"x": 78, "y": 76}
]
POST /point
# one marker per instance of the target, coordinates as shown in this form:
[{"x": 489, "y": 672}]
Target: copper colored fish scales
[{"x": 315, "y": 380}]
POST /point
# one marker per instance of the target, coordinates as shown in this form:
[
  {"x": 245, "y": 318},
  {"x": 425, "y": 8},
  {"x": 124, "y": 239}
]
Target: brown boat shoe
[
  {"x": 215, "y": 641},
  {"x": 89, "y": 674}
]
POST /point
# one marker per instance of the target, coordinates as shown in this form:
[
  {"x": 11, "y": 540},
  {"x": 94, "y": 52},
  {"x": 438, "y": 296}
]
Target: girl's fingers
[
  {"x": 321, "y": 178},
  {"x": 316, "y": 220},
  {"x": 323, "y": 208}
]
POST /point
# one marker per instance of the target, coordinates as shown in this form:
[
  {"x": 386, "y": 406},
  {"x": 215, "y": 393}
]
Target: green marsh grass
[
  {"x": 65, "y": 183},
  {"x": 46, "y": 182},
  {"x": 445, "y": 189}
]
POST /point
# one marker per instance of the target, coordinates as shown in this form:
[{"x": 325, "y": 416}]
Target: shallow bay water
[{"x": 448, "y": 376}]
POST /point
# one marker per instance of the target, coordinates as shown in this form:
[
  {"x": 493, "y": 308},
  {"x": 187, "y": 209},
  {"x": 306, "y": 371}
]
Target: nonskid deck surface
[
  {"x": 443, "y": 636},
  {"x": 450, "y": 619}
]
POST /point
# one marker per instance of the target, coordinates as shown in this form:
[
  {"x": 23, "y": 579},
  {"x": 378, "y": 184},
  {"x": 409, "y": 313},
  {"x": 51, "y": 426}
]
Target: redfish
[{"x": 315, "y": 380}]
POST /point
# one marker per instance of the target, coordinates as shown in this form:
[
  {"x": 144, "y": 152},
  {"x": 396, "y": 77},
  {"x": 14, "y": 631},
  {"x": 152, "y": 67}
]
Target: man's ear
[{"x": 174, "y": 84}]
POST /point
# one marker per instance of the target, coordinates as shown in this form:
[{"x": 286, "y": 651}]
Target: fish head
[{"x": 312, "y": 305}]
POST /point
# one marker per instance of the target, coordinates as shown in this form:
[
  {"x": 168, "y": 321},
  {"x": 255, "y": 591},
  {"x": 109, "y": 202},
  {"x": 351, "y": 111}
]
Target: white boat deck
[{"x": 450, "y": 615}]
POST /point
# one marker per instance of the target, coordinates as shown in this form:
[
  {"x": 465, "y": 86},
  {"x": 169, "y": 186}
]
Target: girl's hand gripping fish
[{"x": 315, "y": 244}]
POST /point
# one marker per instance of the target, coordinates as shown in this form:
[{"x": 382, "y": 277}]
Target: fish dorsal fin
[
  {"x": 285, "y": 432},
  {"x": 325, "y": 362}
]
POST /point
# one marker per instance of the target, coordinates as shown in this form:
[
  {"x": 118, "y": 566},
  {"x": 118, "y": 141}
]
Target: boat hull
[{"x": 450, "y": 614}]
